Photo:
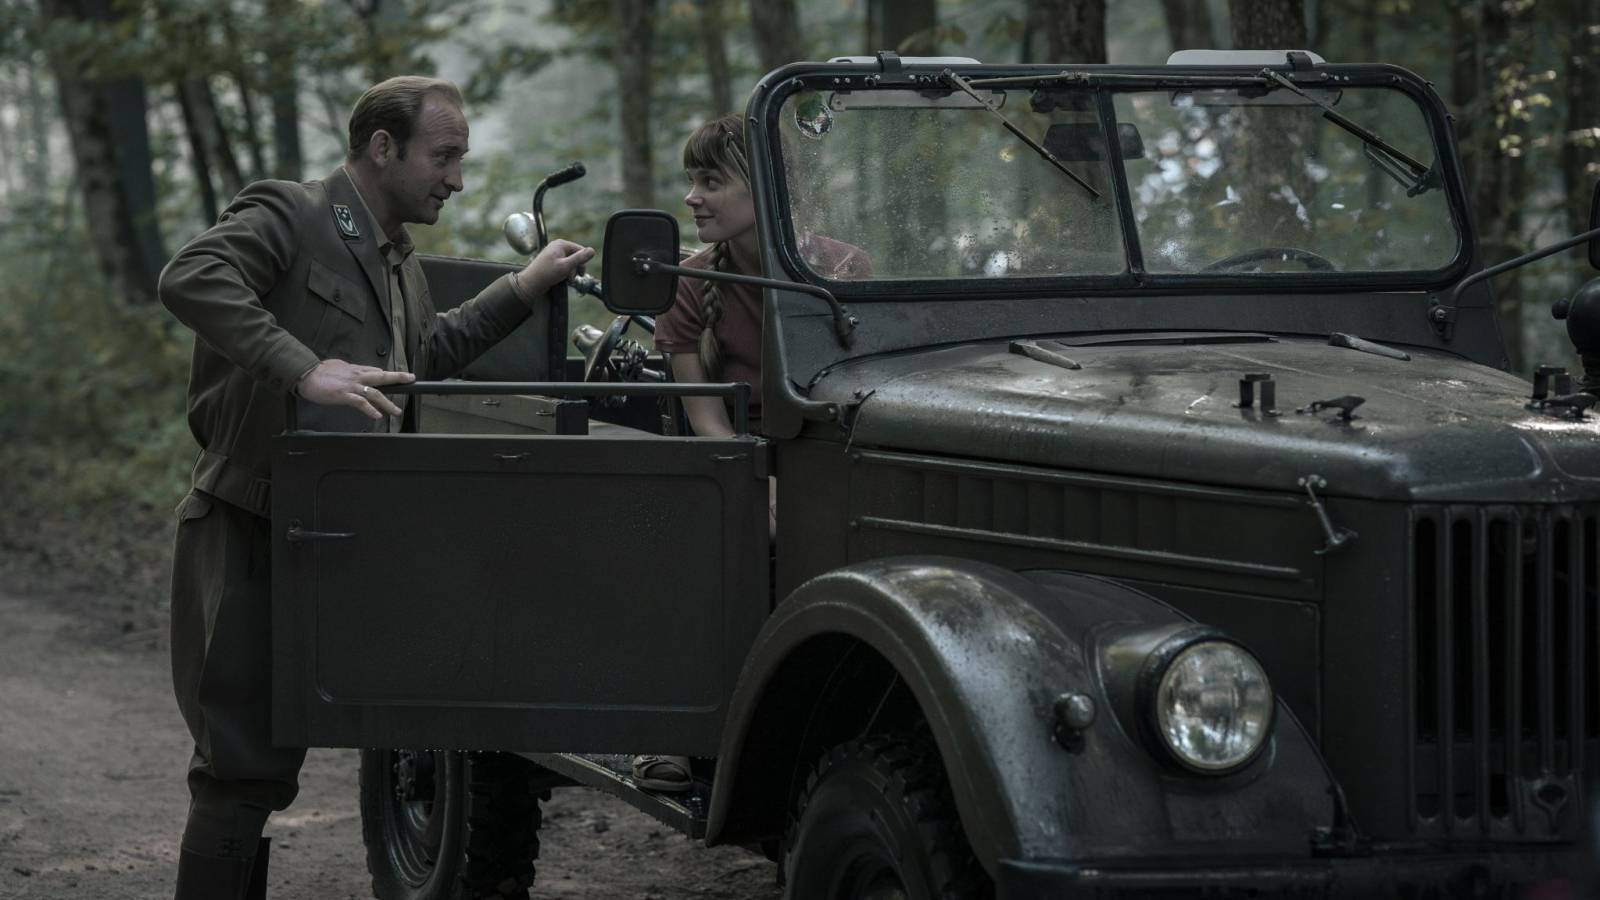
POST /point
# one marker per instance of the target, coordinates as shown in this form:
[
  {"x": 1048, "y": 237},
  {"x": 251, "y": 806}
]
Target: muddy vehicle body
[{"x": 1159, "y": 519}]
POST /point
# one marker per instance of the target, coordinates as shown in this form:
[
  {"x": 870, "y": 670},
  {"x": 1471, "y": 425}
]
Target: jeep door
[{"x": 528, "y": 592}]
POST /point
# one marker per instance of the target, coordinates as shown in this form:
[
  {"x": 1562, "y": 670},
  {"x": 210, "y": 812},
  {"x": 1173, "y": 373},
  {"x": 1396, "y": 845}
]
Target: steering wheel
[
  {"x": 598, "y": 347},
  {"x": 1313, "y": 261}
]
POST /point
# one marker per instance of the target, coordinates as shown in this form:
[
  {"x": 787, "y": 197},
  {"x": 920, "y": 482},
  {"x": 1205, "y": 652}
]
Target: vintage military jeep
[{"x": 1155, "y": 518}]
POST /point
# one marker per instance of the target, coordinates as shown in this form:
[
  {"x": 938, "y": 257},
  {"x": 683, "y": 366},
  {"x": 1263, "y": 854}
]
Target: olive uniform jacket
[{"x": 291, "y": 275}]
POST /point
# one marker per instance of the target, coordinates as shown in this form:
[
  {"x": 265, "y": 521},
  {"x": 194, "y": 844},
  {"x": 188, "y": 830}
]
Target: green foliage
[
  {"x": 96, "y": 383},
  {"x": 507, "y": 61}
]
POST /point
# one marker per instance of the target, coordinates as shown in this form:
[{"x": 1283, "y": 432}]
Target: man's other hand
[
  {"x": 335, "y": 382},
  {"x": 554, "y": 264}
]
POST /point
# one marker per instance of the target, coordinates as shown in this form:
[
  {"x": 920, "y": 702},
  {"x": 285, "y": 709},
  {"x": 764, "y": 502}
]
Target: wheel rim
[{"x": 421, "y": 788}]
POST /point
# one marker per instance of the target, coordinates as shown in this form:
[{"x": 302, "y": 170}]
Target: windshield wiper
[
  {"x": 961, "y": 83},
  {"x": 1415, "y": 177}
]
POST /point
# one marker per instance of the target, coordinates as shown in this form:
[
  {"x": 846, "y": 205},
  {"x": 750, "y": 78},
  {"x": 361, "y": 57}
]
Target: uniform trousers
[{"x": 221, "y": 673}]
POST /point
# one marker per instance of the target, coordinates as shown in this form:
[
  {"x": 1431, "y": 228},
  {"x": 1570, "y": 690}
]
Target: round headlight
[{"x": 1214, "y": 706}]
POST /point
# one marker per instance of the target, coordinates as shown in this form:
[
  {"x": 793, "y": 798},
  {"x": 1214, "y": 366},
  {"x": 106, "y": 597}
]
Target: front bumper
[{"x": 1567, "y": 874}]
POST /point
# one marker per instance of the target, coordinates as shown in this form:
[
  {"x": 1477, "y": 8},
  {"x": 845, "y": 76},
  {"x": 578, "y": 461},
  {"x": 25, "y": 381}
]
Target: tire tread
[
  {"x": 915, "y": 778},
  {"x": 500, "y": 830}
]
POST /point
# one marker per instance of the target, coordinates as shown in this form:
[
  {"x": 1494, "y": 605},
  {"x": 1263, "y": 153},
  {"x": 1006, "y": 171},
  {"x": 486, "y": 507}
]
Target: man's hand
[
  {"x": 335, "y": 382},
  {"x": 554, "y": 264}
]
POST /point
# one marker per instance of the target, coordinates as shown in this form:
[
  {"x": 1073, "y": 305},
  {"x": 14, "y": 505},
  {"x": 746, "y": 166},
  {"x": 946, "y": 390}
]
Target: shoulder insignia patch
[{"x": 347, "y": 222}]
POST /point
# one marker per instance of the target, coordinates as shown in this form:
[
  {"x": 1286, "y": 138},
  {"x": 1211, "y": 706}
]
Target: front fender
[{"x": 985, "y": 652}]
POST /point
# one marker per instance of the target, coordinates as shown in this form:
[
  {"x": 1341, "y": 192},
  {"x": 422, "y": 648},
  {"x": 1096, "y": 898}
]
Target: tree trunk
[
  {"x": 283, "y": 85},
  {"x": 287, "y": 160},
  {"x": 714, "y": 46},
  {"x": 228, "y": 171},
  {"x": 201, "y": 115},
  {"x": 1489, "y": 82},
  {"x": 199, "y": 159},
  {"x": 1188, "y": 24},
  {"x": 240, "y": 75},
  {"x": 1580, "y": 154},
  {"x": 333, "y": 119},
  {"x": 12, "y": 155},
  {"x": 1279, "y": 186},
  {"x": 38, "y": 168},
  {"x": 1074, "y": 30},
  {"x": 1267, "y": 24},
  {"x": 1031, "y": 17},
  {"x": 635, "y": 30},
  {"x": 110, "y": 138},
  {"x": 904, "y": 26},
  {"x": 776, "y": 25}
]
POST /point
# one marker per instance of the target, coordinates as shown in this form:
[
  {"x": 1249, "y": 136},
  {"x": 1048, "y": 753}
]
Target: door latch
[{"x": 1337, "y": 537}]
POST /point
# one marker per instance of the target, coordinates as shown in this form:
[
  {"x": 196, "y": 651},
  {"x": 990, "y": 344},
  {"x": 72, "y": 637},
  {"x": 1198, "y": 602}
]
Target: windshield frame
[{"x": 1105, "y": 81}]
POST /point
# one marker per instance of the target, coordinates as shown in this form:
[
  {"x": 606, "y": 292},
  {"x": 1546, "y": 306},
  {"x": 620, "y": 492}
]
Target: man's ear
[{"x": 381, "y": 149}]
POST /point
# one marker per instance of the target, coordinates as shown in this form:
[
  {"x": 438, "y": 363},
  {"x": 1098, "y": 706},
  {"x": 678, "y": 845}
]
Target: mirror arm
[
  {"x": 843, "y": 323},
  {"x": 1508, "y": 265}
]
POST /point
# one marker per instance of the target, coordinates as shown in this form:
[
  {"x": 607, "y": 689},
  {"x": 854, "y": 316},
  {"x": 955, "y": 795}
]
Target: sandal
[{"x": 662, "y": 773}]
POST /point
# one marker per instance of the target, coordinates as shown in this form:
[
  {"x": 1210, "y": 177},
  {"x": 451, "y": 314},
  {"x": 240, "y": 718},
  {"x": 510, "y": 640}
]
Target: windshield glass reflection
[{"x": 930, "y": 185}]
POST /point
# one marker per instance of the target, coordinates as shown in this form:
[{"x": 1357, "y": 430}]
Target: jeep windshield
[{"x": 1217, "y": 179}]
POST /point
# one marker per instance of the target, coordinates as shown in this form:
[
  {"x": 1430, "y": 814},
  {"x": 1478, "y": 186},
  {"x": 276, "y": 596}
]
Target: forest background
[{"x": 125, "y": 125}]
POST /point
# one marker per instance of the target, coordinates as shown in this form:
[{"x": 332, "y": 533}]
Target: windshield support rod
[{"x": 1038, "y": 148}]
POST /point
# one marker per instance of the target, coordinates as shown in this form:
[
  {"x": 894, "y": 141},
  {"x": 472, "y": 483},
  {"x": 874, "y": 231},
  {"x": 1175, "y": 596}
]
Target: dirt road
[{"x": 92, "y": 756}]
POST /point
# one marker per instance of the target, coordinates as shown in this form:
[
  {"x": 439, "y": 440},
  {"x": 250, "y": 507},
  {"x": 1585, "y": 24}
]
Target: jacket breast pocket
[
  {"x": 336, "y": 290},
  {"x": 338, "y": 317}
]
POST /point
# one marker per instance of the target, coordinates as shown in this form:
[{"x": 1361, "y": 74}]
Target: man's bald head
[{"x": 393, "y": 106}]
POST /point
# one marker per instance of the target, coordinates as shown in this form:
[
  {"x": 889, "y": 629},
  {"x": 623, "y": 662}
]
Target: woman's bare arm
[{"x": 707, "y": 415}]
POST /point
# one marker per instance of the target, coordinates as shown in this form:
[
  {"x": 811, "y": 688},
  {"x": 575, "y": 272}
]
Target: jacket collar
[{"x": 364, "y": 247}]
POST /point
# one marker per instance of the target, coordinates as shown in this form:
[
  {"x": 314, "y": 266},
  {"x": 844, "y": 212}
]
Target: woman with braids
[{"x": 713, "y": 330}]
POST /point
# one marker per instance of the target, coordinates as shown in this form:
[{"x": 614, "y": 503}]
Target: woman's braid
[
  {"x": 719, "y": 145},
  {"x": 711, "y": 316}
]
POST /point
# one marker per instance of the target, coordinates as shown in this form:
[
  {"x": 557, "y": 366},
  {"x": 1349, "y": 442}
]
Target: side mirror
[
  {"x": 1085, "y": 142},
  {"x": 630, "y": 234},
  {"x": 1594, "y": 222}
]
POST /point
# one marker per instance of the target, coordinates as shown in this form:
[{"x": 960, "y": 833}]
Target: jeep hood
[{"x": 1432, "y": 428}]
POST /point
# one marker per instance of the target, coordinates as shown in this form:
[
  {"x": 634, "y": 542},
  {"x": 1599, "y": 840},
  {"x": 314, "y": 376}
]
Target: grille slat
[
  {"x": 1515, "y": 618},
  {"x": 1574, "y": 640},
  {"x": 1480, "y": 670},
  {"x": 1545, "y": 643},
  {"x": 1506, "y": 672},
  {"x": 1445, "y": 701}
]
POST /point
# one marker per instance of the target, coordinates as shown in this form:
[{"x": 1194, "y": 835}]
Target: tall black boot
[
  {"x": 257, "y": 889},
  {"x": 212, "y": 877}
]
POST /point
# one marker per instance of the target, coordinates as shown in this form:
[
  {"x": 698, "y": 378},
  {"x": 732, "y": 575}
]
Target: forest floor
[{"x": 92, "y": 798}]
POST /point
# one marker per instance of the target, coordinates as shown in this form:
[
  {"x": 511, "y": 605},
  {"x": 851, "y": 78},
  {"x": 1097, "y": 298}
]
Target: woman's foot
[{"x": 662, "y": 773}]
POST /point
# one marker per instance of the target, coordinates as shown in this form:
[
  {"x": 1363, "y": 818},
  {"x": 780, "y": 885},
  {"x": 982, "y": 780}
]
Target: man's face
[{"x": 416, "y": 187}]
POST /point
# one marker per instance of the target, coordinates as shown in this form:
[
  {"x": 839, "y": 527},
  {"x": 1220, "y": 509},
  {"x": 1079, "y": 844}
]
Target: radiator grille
[{"x": 1505, "y": 685}]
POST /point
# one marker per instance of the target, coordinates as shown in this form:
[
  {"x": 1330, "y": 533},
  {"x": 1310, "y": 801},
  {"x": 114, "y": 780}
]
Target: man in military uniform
[{"x": 312, "y": 289}]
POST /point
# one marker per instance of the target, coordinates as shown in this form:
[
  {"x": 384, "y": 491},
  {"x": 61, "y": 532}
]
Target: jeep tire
[
  {"x": 865, "y": 799},
  {"x": 448, "y": 826}
]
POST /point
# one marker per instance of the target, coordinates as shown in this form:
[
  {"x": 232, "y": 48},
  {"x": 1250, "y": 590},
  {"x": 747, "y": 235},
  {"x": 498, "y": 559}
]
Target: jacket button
[{"x": 383, "y": 350}]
